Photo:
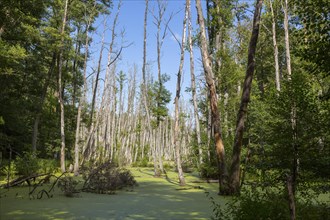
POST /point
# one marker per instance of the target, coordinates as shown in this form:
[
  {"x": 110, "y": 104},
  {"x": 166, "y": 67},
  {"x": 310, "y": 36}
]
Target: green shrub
[
  {"x": 268, "y": 204},
  {"x": 142, "y": 163},
  {"x": 208, "y": 171},
  {"x": 48, "y": 166},
  {"x": 4, "y": 168},
  {"x": 27, "y": 164}
]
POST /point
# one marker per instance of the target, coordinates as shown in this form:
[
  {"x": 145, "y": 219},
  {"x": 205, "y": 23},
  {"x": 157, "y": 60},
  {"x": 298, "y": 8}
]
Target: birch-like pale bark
[
  {"x": 160, "y": 37},
  {"x": 193, "y": 86},
  {"x": 277, "y": 69},
  {"x": 176, "y": 100},
  {"x": 60, "y": 93},
  {"x": 219, "y": 147},
  {"x": 236, "y": 158},
  {"x": 87, "y": 150},
  {"x": 287, "y": 41},
  {"x": 144, "y": 65},
  {"x": 97, "y": 76}
]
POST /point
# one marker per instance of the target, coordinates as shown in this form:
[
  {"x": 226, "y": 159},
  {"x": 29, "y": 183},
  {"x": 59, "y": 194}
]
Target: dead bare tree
[
  {"x": 160, "y": 37},
  {"x": 277, "y": 69},
  {"x": 82, "y": 97},
  {"x": 177, "y": 97},
  {"x": 193, "y": 85}
]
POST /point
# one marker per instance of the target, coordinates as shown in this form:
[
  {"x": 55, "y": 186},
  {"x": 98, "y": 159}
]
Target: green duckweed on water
[{"x": 154, "y": 198}]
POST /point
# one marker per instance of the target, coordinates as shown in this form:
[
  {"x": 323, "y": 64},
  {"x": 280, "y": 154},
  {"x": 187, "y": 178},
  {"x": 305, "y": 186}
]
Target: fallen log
[
  {"x": 205, "y": 181},
  {"x": 23, "y": 179}
]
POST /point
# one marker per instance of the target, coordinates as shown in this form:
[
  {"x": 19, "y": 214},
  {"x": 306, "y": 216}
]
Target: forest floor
[{"x": 154, "y": 198}]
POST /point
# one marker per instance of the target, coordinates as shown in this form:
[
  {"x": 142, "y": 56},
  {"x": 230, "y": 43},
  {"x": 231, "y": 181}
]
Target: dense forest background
[{"x": 258, "y": 111}]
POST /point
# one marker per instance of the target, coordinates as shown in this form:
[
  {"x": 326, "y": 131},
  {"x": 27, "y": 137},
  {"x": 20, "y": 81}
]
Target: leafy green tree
[
  {"x": 160, "y": 97},
  {"x": 23, "y": 63}
]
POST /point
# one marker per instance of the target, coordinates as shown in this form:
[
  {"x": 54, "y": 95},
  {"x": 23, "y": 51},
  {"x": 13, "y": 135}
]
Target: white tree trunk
[{"x": 277, "y": 69}]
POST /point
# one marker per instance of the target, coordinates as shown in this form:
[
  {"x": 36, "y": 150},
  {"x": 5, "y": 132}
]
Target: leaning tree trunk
[
  {"x": 236, "y": 159},
  {"x": 97, "y": 77},
  {"x": 219, "y": 147},
  {"x": 60, "y": 93}
]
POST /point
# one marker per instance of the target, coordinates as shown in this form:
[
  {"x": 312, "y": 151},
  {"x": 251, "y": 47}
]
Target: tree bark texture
[
  {"x": 193, "y": 85},
  {"x": 292, "y": 205},
  {"x": 241, "y": 116},
  {"x": 286, "y": 34},
  {"x": 219, "y": 147},
  {"x": 60, "y": 93},
  {"x": 277, "y": 69}
]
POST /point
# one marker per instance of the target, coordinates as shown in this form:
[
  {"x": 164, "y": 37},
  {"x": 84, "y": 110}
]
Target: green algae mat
[{"x": 154, "y": 198}]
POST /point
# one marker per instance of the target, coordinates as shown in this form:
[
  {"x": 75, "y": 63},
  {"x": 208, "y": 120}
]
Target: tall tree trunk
[
  {"x": 87, "y": 150},
  {"x": 193, "y": 86},
  {"x": 277, "y": 69},
  {"x": 219, "y": 147},
  {"x": 97, "y": 76},
  {"x": 144, "y": 65},
  {"x": 159, "y": 19},
  {"x": 286, "y": 34},
  {"x": 75, "y": 64},
  {"x": 42, "y": 101},
  {"x": 292, "y": 178},
  {"x": 60, "y": 94},
  {"x": 176, "y": 101},
  {"x": 81, "y": 100},
  {"x": 236, "y": 159},
  {"x": 290, "y": 189}
]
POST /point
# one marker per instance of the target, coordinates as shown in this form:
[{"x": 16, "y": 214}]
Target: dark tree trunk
[
  {"x": 42, "y": 100},
  {"x": 236, "y": 158},
  {"x": 292, "y": 206}
]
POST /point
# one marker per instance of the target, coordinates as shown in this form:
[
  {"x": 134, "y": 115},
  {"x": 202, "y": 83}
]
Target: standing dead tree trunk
[
  {"x": 177, "y": 97},
  {"x": 97, "y": 75},
  {"x": 277, "y": 69},
  {"x": 160, "y": 37},
  {"x": 219, "y": 147},
  {"x": 144, "y": 83},
  {"x": 287, "y": 42},
  {"x": 87, "y": 150},
  {"x": 60, "y": 91},
  {"x": 82, "y": 98},
  {"x": 193, "y": 86},
  {"x": 236, "y": 158}
]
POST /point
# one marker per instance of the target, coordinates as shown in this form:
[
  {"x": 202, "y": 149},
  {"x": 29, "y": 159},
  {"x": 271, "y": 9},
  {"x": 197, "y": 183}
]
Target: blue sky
[{"x": 131, "y": 18}]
